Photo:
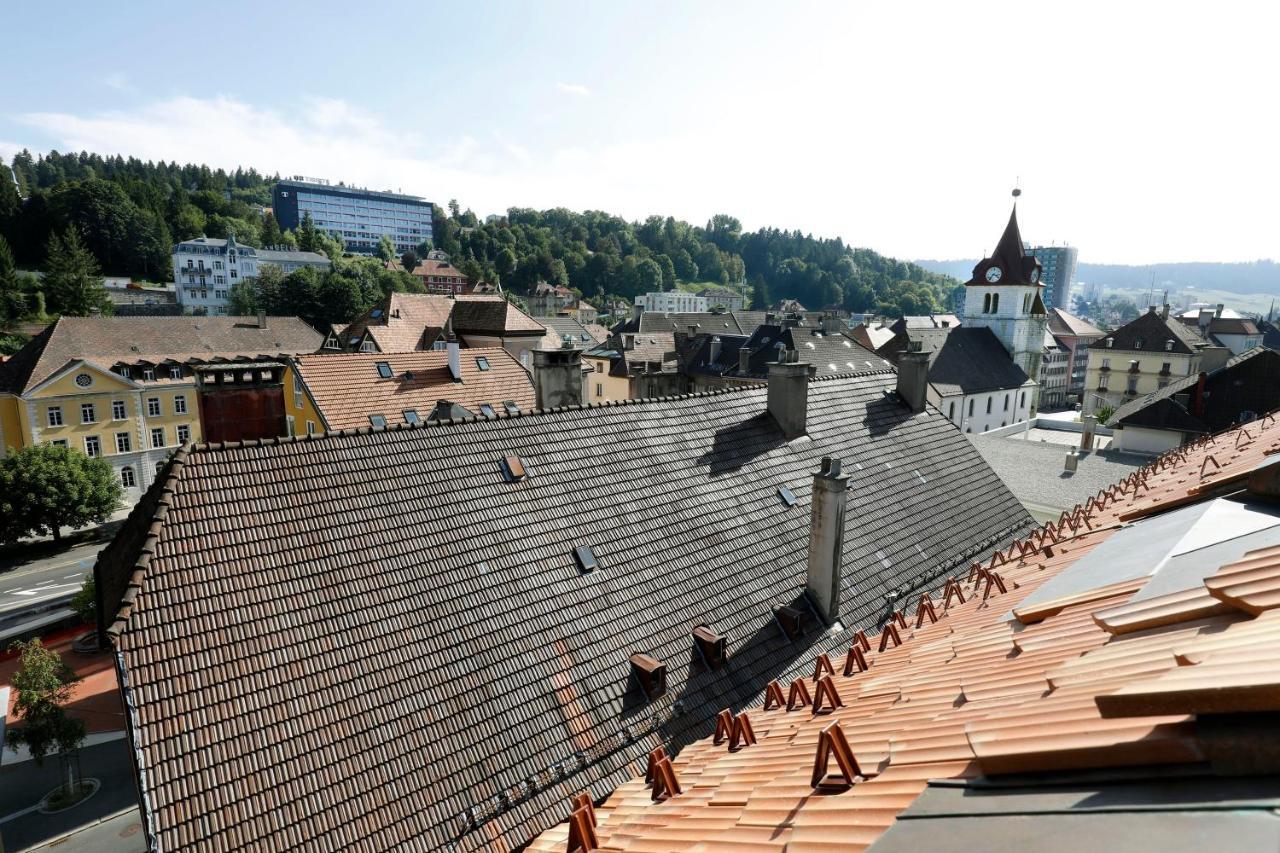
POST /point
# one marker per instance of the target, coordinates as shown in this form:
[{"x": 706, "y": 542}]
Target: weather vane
[{"x": 1016, "y": 191}]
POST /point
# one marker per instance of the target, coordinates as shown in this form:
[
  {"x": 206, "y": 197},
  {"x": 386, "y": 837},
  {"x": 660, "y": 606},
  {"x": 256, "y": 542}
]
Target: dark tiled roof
[
  {"x": 1247, "y": 382},
  {"x": 652, "y": 321},
  {"x": 567, "y": 328},
  {"x": 358, "y": 667},
  {"x": 347, "y": 388},
  {"x": 828, "y": 353},
  {"x": 1152, "y": 331},
  {"x": 971, "y": 360},
  {"x": 492, "y": 315},
  {"x": 1062, "y": 667},
  {"x": 106, "y": 341}
]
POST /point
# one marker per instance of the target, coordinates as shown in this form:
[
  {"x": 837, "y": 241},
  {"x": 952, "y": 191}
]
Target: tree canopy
[
  {"x": 44, "y": 488},
  {"x": 44, "y": 683}
]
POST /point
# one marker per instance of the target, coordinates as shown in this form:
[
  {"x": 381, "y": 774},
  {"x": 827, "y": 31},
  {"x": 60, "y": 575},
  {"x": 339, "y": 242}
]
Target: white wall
[
  {"x": 956, "y": 408},
  {"x": 1142, "y": 440}
]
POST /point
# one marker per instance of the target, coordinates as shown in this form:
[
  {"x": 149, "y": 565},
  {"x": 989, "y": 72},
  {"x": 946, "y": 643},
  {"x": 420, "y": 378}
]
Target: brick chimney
[
  {"x": 826, "y": 538},
  {"x": 913, "y": 377},
  {"x": 789, "y": 393},
  {"x": 557, "y": 376}
]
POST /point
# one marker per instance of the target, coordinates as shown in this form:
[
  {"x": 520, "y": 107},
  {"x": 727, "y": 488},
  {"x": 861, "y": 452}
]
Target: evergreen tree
[
  {"x": 13, "y": 298},
  {"x": 72, "y": 281},
  {"x": 271, "y": 235},
  {"x": 307, "y": 234}
]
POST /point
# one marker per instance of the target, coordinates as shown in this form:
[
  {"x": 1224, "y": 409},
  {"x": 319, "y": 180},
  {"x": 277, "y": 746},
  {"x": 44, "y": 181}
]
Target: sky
[{"x": 1139, "y": 133}]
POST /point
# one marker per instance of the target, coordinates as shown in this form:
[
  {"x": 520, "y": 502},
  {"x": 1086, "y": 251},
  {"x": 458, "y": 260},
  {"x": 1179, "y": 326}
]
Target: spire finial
[{"x": 1017, "y": 189}]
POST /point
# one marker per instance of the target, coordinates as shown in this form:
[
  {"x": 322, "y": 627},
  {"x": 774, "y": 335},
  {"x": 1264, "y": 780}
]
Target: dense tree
[
  {"x": 409, "y": 260},
  {"x": 13, "y": 289},
  {"x": 386, "y": 249},
  {"x": 307, "y": 234},
  {"x": 72, "y": 282},
  {"x": 270, "y": 230},
  {"x": 45, "y": 488}
]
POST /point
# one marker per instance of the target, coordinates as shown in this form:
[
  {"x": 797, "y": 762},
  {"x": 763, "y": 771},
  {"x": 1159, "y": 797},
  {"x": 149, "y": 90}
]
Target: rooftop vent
[
  {"x": 1110, "y": 342},
  {"x": 513, "y": 469},
  {"x": 650, "y": 673},
  {"x": 791, "y": 620},
  {"x": 586, "y": 558},
  {"x": 1168, "y": 345},
  {"x": 713, "y": 647}
]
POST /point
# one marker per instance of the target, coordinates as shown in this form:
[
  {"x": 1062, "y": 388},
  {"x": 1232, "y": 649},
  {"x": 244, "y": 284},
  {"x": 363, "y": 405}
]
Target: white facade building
[
  {"x": 673, "y": 302},
  {"x": 206, "y": 268}
]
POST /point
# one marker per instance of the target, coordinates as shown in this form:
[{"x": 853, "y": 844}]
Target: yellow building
[
  {"x": 630, "y": 365},
  {"x": 126, "y": 388},
  {"x": 1140, "y": 358}
]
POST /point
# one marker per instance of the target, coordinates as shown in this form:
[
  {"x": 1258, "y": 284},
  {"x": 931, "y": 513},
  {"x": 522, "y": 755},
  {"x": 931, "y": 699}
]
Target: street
[{"x": 43, "y": 576}]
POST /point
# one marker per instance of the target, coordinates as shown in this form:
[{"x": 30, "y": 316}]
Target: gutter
[{"x": 131, "y": 722}]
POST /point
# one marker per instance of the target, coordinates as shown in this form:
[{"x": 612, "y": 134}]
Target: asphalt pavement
[
  {"x": 42, "y": 575},
  {"x": 22, "y": 785}
]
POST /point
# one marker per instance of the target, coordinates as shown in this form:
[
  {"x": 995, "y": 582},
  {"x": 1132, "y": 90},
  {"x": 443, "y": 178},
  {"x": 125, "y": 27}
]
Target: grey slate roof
[
  {"x": 359, "y": 668},
  {"x": 968, "y": 360},
  {"x": 567, "y": 328},
  {"x": 1149, "y": 333},
  {"x": 1033, "y": 470},
  {"x": 829, "y": 354},
  {"x": 652, "y": 321}
]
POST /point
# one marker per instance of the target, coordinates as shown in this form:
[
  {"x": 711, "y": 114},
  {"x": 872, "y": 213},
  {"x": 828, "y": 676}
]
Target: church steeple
[{"x": 1010, "y": 259}]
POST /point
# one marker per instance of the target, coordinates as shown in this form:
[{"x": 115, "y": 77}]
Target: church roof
[{"x": 1015, "y": 263}]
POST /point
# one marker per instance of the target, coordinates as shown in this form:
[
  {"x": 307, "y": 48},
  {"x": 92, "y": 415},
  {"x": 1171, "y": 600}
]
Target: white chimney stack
[
  {"x": 455, "y": 359},
  {"x": 789, "y": 393},
  {"x": 826, "y": 538}
]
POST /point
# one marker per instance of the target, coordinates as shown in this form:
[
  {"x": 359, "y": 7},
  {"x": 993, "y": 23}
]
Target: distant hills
[{"x": 1250, "y": 277}]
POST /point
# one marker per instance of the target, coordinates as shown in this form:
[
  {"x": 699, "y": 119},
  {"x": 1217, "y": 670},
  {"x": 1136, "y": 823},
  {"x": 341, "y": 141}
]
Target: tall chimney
[
  {"x": 789, "y": 393},
  {"x": 830, "y": 323},
  {"x": 557, "y": 376},
  {"x": 1218, "y": 311},
  {"x": 714, "y": 354},
  {"x": 913, "y": 377},
  {"x": 262, "y": 319},
  {"x": 826, "y": 537},
  {"x": 454, "y": 349},
  {"x": 1164, "y": 312},
  {"x": 1090, "y": 424},
  {"x": 744, "y": 359}
]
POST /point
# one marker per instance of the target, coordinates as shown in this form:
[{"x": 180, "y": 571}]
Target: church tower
[{"x": 1004, "y": 296}]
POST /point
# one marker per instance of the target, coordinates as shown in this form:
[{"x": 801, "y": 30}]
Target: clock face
[
  {"x": 1035, "y": 276},
  {"x": 993, "y": 274}
]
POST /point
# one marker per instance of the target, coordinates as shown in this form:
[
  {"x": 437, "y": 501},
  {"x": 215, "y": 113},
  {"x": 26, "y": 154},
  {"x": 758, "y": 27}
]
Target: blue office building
[
  {"x": 1057, "y": 274},
  {"x": 359, "y": 216}
]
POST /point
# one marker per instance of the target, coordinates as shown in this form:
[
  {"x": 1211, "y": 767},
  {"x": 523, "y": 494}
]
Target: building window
[
  {"x": 123, "y": 443},
  {"x": 117, "y": 410},
  {"x": 995, "y": 303},
  {"x": 125, "y": 372},
  {"x": 175, "y": 372},
  {"x": 970, "y": 407},
  {"x": 487, "y": 410},
  {"x": 92, "y": 447},
  {"x": 184, "y": 433},
  {"x": 88, "y": 415},
  {"x": 411, "y": 417},
  {"x": 951, "y": 410},
  {"x": 55, "y": 416},
  {"x": 377, "y": 420},
  {"x": 988, "y": 405},
  {"x": 233, "y": 275},
  {"x": 149, "y": 374},
  {"x": 311, "y": 427},
  {"x": 204, "y": 294},
  {"x": 179, "y": 404},
  {"x": 384, "y": 370},
  {"x": 157, "y": 437},
  {"x": 153, "y": 407},
  {"x": 1131, "y": 386},
  {"x": 59, "y": 442},
  {"x": 1023, "y": 400},
  {"x": 1006, "y": 402},
  {"x": 159, "y": 466},
  {"x": 126, "y": 477}
]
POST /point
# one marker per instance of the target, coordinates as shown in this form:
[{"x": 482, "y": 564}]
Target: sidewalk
[{"x": 22, "y": 785}]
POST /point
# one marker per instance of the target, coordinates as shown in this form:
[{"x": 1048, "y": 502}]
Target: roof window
[
  {"x": 513, "y": 470},
  {"x": 788, "y": 496},
  {"x": 586, "y": 558},
  {"x": 487, "y": 410},
  {"x": 482, "y": 363},
  {"x": 384, "y": 370},
  {"x": 511, "y": 407},
  {"x": 411, "y": 417},
  {"x": 377, "y": 420}
]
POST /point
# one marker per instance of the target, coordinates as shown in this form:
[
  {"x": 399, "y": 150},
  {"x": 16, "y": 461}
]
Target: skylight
[
  {"x": 788, "y": 497},
  {"x": 487, "y": 410},
  {"x": 511, "y": 407},
  {"x": 411, "y": 417},
  {"x": 384, "y": 370},
  {"x": 482, "y": 363},
  {"x": 378, "y": 420},
  {"x": 586, "y": 558}
]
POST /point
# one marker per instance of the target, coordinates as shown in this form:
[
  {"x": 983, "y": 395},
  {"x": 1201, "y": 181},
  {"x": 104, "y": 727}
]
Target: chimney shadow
[
  {"x": 736, "y": 445},
  {"x": 885, "y": 413}
]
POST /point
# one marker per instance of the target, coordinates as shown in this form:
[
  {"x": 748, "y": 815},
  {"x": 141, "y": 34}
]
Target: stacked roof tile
[
  {"x": 1040, "y": 683},
  {"x": 418, "y": 657},
  {"x": 349, "y": 388}
]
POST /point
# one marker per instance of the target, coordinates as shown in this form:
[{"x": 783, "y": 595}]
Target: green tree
[
  {"x": 72, "y": 281},
  {"x": 45, "y": 488},
  {"x": 11, "y": 342},
  {"x": 270, "y": 231},
  {"x": 13, "y": 297},
  {"x": 307, "y": 234},
  {"x": 409, "y": 260},
  {"x": 85, "y": 601},
  {"x": 505, "y": 263},
  {"x": 44, "y": 683},
  {"x": 243, "y": 297},
  {"x": 386, "y": 249},
  {"x": 648, "y": 276}
]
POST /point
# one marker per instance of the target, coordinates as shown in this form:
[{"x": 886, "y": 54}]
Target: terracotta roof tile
[{"x": 347, "y": 388}]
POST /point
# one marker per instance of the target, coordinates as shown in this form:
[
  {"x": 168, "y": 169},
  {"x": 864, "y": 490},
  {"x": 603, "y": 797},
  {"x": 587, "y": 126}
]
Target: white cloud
[
  {"x": 119, "y": 81},
  {"x": 574, "y": 89}
]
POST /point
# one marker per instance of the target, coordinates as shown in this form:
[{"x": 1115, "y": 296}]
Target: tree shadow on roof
[{"x": 736, "y": 445}]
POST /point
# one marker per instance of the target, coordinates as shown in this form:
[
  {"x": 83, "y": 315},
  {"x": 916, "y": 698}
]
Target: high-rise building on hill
[{"x": 359, "y": 216}]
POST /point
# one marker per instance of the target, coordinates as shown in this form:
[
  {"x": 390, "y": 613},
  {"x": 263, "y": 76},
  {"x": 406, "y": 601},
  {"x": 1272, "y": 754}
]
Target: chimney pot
[{"x": 826, "y": 537}]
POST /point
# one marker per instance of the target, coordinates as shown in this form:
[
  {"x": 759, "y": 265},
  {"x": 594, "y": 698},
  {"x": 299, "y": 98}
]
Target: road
[{"x": 45, "y": 581}]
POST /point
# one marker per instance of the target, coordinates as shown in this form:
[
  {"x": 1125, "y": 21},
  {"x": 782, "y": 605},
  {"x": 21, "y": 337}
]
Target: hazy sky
[{"x": 1139, "y": 132}]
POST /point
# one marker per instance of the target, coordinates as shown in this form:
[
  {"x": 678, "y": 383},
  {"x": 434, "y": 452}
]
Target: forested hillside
[{"x": 128, "y": 213}]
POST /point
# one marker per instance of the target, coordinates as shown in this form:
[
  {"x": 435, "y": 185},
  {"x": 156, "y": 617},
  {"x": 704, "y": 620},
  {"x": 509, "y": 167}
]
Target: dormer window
[{"x": 149, "y": 374}]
